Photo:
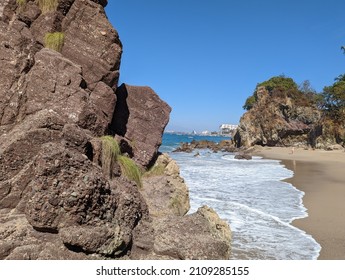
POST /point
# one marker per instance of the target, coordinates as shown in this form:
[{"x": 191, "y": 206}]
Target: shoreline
[{"x": 321, "y": 176}]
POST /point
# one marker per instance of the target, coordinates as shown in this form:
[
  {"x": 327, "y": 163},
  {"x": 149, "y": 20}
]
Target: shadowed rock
[{"x": 140, "y": 117}]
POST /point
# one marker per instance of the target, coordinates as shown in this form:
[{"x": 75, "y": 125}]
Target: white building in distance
[{"x": 227, "y": 129}]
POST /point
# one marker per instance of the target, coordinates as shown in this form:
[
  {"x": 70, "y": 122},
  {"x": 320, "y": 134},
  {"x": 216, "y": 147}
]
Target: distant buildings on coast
[
  {"x": 227, "y": 129},
  {"x": 224, "y": 130}
]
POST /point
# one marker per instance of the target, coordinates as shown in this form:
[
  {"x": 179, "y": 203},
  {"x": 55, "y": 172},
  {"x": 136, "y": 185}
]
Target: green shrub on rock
[
  {"x": 47, "y": 5},
  {"x": 156, "y": 170},
  {"x": 110, "y": 153},
  {"x": 21, "y": 3},
  {"x": 130, "y": 169},
  {"x": 54, "y": 41}
]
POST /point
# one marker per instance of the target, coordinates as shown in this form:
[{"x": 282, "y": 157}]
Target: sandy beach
[{"x": 321, "y": 175}]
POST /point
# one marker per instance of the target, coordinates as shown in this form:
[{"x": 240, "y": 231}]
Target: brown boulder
[
  {"x": 224, "y": 146},
  {"x": 19, "y": 241},
  {"x": 140, "y": 117},
  {"x": 164, "y": 191},
  {"x": 199, "y": 236},
  {"x": 242, "y": 155}
]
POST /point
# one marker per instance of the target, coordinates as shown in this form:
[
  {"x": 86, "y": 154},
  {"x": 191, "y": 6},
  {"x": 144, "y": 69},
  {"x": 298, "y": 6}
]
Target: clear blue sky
[{"x": 205, "y": 57}]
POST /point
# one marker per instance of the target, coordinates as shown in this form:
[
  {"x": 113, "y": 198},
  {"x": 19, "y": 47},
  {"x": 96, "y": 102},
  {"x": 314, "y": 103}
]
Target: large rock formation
[
  {"x": 52, "y": 106},
  {"x": 165, "y": 192},
  {"x": 140, "y": 117},
  {"x": 56, "y": 201},
  {"x": 276, "y": 120},
  {"x": 198, "y": 236},
  {"x": 171, "y": 234},
  {"x": 223, "y": 146}
]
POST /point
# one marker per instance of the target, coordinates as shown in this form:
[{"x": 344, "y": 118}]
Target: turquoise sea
[{"x": 251, "y": 196}]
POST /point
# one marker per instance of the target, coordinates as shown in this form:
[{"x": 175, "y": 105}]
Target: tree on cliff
[
  {"x": 334, "y": 99},
  {"x": 250, "y": 101},
  {"x": 280, "y": 83},
  {"x": 281, "y": 86}
]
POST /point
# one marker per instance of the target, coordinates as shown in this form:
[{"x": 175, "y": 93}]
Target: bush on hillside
[
  {"x": 282, "y": 87},
  {"x": 334, "y": 100}
]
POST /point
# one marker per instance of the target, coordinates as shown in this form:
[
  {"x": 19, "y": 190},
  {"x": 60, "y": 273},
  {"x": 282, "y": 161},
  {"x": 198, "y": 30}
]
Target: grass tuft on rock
[
  {"x": 21, "y": 3},
  {"x": 54, "y": 41},
  {"x": 47, "y": 5},
  {"x": 110, "y": 153},
  {"x": 130, "y": 169},
  {"x": 156, "y": 170}
]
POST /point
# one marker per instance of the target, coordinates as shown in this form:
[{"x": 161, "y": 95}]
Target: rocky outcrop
[
  {"x": 164, "y": 190},
  {"x": 56, "y": 201},
  {"x": 276, "y": 121},
  {"x": 222, "y": 146},
  {"x": 327, "y": 134},
  {"x": 172, "y": 234},
  {"x": 140, "y": 118},
  {"x": 52, "y": 106},
  {"x": 81, "y": 80},
  {"x": 100, "y": 57},
  {"x": 199, "y": 236}
]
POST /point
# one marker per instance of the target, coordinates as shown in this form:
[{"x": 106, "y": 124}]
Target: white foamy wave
[{"x": 252, "y": 197}]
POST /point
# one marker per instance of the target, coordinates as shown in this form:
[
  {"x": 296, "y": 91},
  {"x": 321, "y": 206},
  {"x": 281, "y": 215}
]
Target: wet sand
[{"x": 321, "y": 175}]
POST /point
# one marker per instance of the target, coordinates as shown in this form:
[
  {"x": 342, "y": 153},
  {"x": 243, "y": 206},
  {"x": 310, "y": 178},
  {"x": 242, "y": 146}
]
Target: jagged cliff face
[
  {"x": 276, "y": 121},
  {"x": 34, "y": 77},
  {"x": 55, "y": 200}
]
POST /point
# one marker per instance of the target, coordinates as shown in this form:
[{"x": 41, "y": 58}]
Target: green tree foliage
[
  {"x": 306, "y": 88},
  {"x": 250, "y": 101},
  {"x": 310, "y": 93},
  {"x": 54, "y": 41},
  {"x": 280, "y": 83},
  {"x": 334, "y": 99},
  {"x": 282, "y": 87}
]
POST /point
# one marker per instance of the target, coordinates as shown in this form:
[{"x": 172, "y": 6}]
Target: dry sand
[{"x": 321, "y": 175}]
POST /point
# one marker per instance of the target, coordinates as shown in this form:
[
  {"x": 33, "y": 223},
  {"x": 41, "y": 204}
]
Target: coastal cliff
[
  {"x": 280, "y": 114},
  {"x": 73, "y": 146}
]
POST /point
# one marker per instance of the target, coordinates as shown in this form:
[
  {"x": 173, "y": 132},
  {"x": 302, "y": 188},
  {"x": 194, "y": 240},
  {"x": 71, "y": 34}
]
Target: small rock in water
[{"x": 243, "y": 156}]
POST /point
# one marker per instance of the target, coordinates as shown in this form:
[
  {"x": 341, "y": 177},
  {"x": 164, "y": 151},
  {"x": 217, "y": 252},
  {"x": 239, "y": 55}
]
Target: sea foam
[{"x": 255, "y": 201}]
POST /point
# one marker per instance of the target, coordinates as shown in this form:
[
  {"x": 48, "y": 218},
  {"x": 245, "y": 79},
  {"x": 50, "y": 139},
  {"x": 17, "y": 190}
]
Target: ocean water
[{"x": 251, "y": 196}]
